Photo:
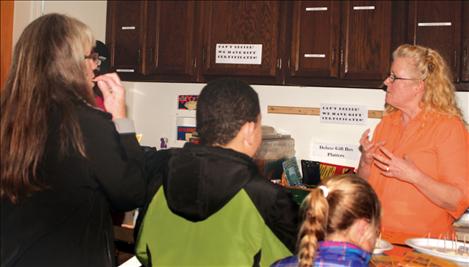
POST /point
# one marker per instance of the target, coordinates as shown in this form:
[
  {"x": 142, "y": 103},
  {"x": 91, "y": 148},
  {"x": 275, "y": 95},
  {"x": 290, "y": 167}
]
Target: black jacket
[
  {"x": 68, "y": 223},
  {"x": 199, "y": 180}
]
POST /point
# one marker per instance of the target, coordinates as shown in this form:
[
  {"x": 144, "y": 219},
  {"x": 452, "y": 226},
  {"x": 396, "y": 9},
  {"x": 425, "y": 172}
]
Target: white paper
[
  {"x": 334, "y": 152},
  {"x": 238, "y": 54},
  {"x": 185, "y": 121},
  {"x": 132, "y": 262},
  {"x": 343, "y": 114}
]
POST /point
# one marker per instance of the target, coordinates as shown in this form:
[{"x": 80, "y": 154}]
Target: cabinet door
[
  {"x": 124, "y": 35},
  {"x": 243, "y": 25},
  {"x": 366, "y": 40},
  {"x": 170, "y": 40},
  {"x": 437, "y": 24},
  {"x": 465, "y": 43},
  {"x": 315, "y": 39}
]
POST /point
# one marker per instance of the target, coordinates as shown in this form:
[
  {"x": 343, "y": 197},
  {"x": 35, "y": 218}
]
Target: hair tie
[{"x": 325, "y": 190}]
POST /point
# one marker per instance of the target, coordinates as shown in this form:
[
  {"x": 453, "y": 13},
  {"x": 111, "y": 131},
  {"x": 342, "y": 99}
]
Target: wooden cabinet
[
  {"x": 315, "y": 39},
  {"x": 313, "y": 43},
  {"x": 437, "y": 24},
  {"x": 171, "y": 41},
  {"x": 356, "y": 48},
  {"x": 366, "y": 40},
  {"x": 124, "y": 35},
  {"x": 153, "y": 40},
  {"x": 242, "y": 23}
]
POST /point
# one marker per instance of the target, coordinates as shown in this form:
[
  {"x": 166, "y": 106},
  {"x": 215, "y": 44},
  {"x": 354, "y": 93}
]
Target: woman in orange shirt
[{"x": 417, "y": 161}]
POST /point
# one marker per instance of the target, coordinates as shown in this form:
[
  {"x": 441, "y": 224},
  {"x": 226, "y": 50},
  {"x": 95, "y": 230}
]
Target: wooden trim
[
  {"x": 374, "y": 114},
  {"x": 6, "y": 30}
]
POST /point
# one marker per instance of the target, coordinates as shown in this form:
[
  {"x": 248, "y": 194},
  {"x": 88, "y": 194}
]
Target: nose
[{"x": 387, "y": 81}]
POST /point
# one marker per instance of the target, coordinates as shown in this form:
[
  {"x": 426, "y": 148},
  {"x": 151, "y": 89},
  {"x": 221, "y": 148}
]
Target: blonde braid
[{"x": 314, "y": 226}]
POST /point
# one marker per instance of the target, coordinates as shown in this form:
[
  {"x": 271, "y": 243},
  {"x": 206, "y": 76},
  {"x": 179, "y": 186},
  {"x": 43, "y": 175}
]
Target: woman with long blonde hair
[
  {"x": 419, "y": 149},
  {"x": 341, "y": 222},
  {"x": 64, "y": 165}
]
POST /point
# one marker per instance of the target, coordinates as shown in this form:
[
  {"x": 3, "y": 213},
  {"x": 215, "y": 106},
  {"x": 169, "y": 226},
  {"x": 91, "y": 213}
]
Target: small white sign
[
  {"x": 336, "y": 151},
  {"x": 343, "y": 114},
  {"x": 238, "y": 54}
]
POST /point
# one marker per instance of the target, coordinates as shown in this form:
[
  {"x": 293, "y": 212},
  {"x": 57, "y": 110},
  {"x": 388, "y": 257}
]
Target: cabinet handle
[
  {"x": 341, "y": 56},
  {"x": 363, "y": 7},
  {"x": 433, "y": 24},
  {"x": 138, "y": 56},
  {"x": 125, "y": 70},
  {"x": 464, "y": 58},
  {"x": 195, "y": 63},
  {"x": 314, "y": 55},
  {"x": 333, "y": 56},
  {"x": 288, "y": 63},
  {"x": 322, "y": 8},
  {"x": 279, "y": 63},
  {"x": 128, "y": 28}
]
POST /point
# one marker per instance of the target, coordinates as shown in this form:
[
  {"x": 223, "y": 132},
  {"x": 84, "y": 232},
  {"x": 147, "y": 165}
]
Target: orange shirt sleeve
[{"x": 452, "y": 150}]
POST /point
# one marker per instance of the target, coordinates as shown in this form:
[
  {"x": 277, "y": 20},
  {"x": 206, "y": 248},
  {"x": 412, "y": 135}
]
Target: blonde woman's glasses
[{"x": 392, "y": 78}]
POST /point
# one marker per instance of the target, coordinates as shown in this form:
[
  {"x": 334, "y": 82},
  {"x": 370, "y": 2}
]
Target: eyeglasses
[
  {"x": 392, "y": 78},
  {"x": 95, "y": 57}
]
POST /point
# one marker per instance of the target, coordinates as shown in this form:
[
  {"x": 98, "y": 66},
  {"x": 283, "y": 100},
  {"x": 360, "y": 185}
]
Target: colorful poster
[
  {"x": 184, "y": 133},
  {"x": 187, "y": 102}
]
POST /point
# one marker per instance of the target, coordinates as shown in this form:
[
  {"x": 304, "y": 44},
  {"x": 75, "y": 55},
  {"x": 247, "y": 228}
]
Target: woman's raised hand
[
  {"x": 368, "y": 148},
  {"x": 113, "y": 94}
]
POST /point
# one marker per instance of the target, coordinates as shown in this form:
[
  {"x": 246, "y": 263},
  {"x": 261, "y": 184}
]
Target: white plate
[
  {"x": 382, "y": 246},
  {"x": 446, "y": 249}
]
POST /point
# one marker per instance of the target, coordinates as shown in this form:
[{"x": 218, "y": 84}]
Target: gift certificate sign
[
  {"x": 343, "y": 114},
  {"x": 250, "y": 54}
]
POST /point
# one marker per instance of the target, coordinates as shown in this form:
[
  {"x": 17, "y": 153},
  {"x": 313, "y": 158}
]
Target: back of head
[
  {"x": 48, "y": 72},
  {"x": 51, "y": 50},
  {"x": 432, "y": 68},
  {"x": 224, "y": 105},
  {"x": 349, "y": 198}
]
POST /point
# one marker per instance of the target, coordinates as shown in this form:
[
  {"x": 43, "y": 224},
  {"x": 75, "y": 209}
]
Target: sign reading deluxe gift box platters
[{"x": 336, "y": 152}]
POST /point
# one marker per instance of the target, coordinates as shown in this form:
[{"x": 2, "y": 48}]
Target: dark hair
[
  {"x": 349, "y": 198},
  {"x": 48, "y": 72},
  {"x": 224, "y": 105}
]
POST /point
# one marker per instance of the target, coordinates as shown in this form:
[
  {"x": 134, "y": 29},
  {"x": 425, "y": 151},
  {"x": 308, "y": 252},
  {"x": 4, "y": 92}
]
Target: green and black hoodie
[{"x": 214, "y": 209}]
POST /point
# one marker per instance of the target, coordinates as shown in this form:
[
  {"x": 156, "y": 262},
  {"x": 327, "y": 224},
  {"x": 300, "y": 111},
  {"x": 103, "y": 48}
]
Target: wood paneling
[
  {"x": 437, "y": 24},
  {"x": 6, "y": 31}
]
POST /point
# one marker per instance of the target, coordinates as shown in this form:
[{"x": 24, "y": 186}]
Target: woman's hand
[
  {"x": 368, "y": 148},
  {"x": 113, "y": 94},
  {"x": 444, "y": 195},
  {"x": 392, "y": 166}
]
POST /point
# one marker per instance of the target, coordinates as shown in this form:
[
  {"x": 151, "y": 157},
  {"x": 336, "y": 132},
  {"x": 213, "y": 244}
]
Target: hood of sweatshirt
[{"x": 201, "y": 179}]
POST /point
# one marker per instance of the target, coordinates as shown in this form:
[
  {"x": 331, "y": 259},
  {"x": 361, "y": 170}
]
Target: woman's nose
[{"x": 387, "y": 81}]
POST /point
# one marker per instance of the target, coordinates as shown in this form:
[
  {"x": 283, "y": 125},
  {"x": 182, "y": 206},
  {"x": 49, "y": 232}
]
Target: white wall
[
  {"x": 153, "y": 106},
  {"x": 92, "y": 13}
]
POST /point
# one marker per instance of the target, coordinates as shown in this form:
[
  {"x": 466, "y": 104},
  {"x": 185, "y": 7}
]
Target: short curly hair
[{"x": 223, "y": 107}]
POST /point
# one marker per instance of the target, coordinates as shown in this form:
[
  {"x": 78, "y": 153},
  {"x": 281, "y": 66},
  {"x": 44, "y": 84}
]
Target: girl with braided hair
[{"x": 341, "y": 222}]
